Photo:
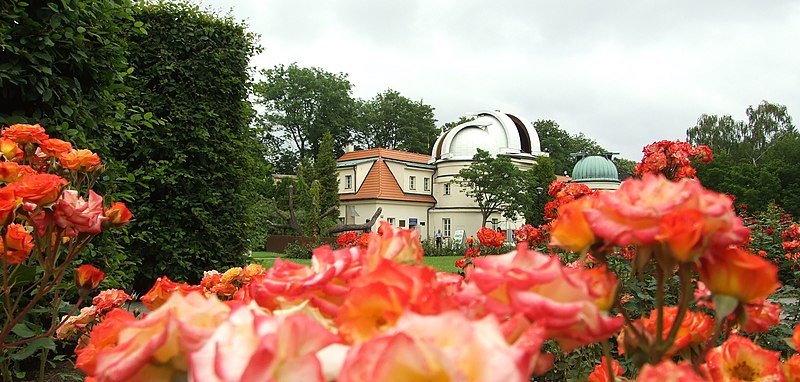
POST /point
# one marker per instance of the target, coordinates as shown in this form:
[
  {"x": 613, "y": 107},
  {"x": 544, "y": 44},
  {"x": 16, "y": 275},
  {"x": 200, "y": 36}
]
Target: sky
[{"x": 624, "y": 73}]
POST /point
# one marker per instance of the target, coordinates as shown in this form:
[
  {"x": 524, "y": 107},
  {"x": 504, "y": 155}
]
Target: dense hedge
[
  {"x": 63, "y": 65},
  {"x": 197, "y": 175}
]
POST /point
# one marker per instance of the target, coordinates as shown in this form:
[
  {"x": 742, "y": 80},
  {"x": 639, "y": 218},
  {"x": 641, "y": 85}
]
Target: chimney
[{"x": 348, "y": 148}]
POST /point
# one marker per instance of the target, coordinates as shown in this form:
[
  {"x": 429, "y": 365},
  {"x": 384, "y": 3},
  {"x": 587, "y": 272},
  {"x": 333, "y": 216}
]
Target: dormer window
[
  {"x": 426, "y": 184},
  {"x": 348, "y": 182},
  {"x": 412, "y": 182}
]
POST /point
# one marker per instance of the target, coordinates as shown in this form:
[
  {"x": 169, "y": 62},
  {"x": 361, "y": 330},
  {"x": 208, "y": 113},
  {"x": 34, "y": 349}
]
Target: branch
[{"x": 355, "y": 227}]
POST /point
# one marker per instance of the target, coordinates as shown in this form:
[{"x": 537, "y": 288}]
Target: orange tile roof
[
  {"x": 380, "y": 183},
  {"x": 385, "y": 153},
  {"x": 562, "y": 178}
]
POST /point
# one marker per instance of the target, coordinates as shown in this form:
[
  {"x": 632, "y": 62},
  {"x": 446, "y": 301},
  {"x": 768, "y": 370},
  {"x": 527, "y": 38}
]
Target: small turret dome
[{"x": 595, "y": 168}]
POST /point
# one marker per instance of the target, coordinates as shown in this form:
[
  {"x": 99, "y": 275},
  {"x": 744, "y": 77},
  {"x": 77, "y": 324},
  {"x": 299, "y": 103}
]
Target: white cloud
[{"x": 623, "y": 73}]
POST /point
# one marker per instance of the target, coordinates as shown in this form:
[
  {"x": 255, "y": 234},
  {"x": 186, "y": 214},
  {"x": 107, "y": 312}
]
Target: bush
[
  {"x": 197, "y": 176},
  {"x": 299, "y": 251}
]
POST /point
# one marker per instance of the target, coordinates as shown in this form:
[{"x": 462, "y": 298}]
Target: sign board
[
  {"x": 458, "y": 236},
  {"x": 412, "y": 221}
]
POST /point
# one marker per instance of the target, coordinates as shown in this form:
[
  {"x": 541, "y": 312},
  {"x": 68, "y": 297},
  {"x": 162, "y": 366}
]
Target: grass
[{"x": 440, "y": 263}]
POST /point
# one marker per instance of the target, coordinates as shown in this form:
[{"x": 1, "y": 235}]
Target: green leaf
[
  {"x": 80, "y": 29},
  {"x": 22, "y": 275},
  {"x": 725, "y": 305},
  {"x": 23, "y": 330},
  {"x": 33, "y": 347}
]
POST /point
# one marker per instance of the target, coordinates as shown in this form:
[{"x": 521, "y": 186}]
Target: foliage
[
  {"x": 491, "y": 182},
  {"x": 299, "y": 251},
  {"x": 64, "y": 64},
  {"x": 452, "y": 124},
  {"x": 328, "y": 178},
  {"x": 531, "y": 194},
  {"x": 746, "y": 141},
  {"x": 197, "y": 176},
  {"x": 303, "y": 103},
  {"x": 561, "y": 145},
  {"x": 392, "y": 121},
  {"x": 754, "y": 158},
  {"x": 49, "y": 214}
]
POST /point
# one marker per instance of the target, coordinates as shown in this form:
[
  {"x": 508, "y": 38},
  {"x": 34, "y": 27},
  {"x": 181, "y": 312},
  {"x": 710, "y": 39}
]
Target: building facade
[{"x": 421, "y": 192}]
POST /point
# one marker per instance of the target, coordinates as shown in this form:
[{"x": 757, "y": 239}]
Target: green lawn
[{"x": 440, "y": 263}]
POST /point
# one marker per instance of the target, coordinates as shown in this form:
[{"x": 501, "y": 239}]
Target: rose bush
[
  {"x": 373, "y": 312},
  {"x": 48, "y": 215}
]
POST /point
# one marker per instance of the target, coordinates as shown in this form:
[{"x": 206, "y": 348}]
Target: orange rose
[
  {"x": 40, "y": 189},
  {"x": 110, "y": 299},
  {"x": 736, "y": 273},
  {"x": 600, "y": 372},
  {"x": 80, "y": 160},
  {"x": 104, "y": 336},
  {"x": 22, "y": 133},
  {"x": 668, "y": 371},
  {"x": 739, "y": 359},
  {"x": 791, "y": 369},
  {"x": 570, "y": 230},
  {"x": 118, "y": 215},
  {"x": 163, "y": 289},
  {"x": 396, "y": 244},
  {"x": 8, "y": 204},
  {"x": 10, "y": 149},
  {"x": 682, "y": 231},
  {"x": 13, "y": 172},
  {"x": 55, "y": 147},
  {"x": 88, "y": 278},
  {"x": 796, "y": 338},
  {"x": 18, "y": 242}
]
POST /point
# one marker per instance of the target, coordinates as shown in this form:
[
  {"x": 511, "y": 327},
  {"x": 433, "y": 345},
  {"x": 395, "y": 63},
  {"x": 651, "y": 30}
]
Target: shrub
[{"x": 197, "y": 176}]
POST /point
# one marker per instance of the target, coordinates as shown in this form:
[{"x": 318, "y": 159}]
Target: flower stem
[
  {"x": 609, "y": 365},
  {"x": 683, "y": 305}
]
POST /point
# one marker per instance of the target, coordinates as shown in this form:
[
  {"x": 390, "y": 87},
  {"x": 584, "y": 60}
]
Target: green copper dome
[{"x": 595, "y": 168}]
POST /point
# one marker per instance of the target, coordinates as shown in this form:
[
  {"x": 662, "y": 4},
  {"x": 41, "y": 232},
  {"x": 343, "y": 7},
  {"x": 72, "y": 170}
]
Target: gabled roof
[
  {"x": 380, "y": 183},
  {"x": 387, "y": 154}
]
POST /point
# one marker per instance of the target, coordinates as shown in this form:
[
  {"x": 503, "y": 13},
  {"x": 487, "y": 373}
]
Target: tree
[
  {"x": 748, "y": 140},
  {"x": 392, "y": 121},
  {"x": 302, "y": 103},
  {"x": 197, "y": 176},
  {"x": 531, "y": 193},
  {"x": 452, "y": 124},
  {"x": 491, "y": 182},
  {"x": 754, "y": 160},
  {"x": 561, "y": 145},
  {"x": 327, "y": 176}
]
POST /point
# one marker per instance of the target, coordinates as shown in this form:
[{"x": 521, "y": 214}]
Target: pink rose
[
  {"x": 251, "y": 345},
  {"x": 76, "y": 215}
]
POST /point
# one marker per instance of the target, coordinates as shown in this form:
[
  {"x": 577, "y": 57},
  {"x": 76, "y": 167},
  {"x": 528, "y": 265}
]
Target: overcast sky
[{"x": 624, "y": 73}]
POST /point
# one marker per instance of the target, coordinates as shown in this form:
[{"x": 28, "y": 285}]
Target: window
[
  {"x": 426, "y": 184},
  {"x": 412, "y": 182},
  {"x": 494, "y": 223},
  {"x": 446, "y": 189},
  {"x": 348, "y": 182},
  {"x": 402, "y": 223},
  {"x": 446, "y": 227},
  {"x": 390, "y": 221}
]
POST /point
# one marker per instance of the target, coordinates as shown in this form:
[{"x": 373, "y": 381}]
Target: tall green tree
[
  {"x": 392, "y": 121},
  {"x": 754, "y": 160},
  {"x": 491, "y": 181},
  {"x": 325, "y": 172},
  {"x": 746, "y": 140},
  {"x": 302, "y": 103},
  {"x": 531, "y": 194},
  {"x": 197, "y": 176},
  {"x": 561, "y": 145}
]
